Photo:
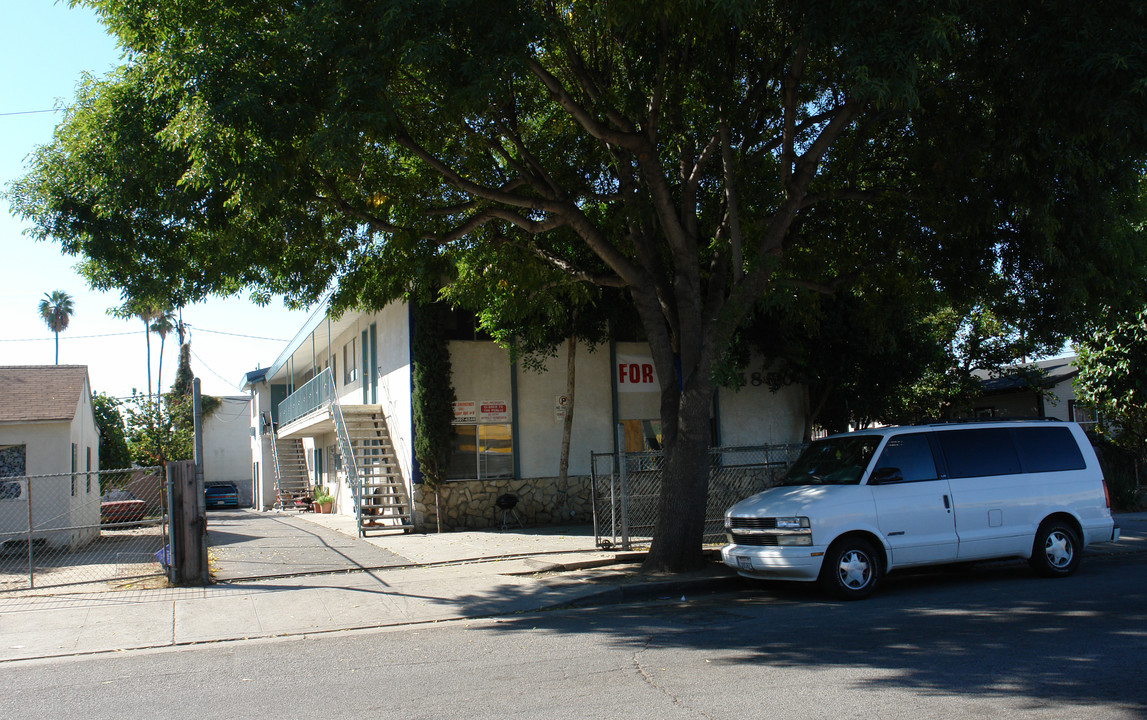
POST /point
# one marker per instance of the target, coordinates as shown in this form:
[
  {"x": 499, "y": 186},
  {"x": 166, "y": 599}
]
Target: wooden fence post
[{"x": 188, "y": 524}]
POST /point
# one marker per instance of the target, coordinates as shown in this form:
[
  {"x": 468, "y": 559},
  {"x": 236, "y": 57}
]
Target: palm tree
[
  {"x": 56, "y": 309},
  {"x": 163, "y": 323},
  {"x": 145, "y": 311}
]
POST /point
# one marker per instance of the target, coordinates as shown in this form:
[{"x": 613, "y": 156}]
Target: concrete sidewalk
[
  {"x": 445, "y": 577},
  {"x": 435, "y": 577}
]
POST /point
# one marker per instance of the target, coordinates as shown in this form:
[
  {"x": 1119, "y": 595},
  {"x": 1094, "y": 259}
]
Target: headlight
[
  {"x": 792, "y": 523},
  {"x": 804, "y": 538}
]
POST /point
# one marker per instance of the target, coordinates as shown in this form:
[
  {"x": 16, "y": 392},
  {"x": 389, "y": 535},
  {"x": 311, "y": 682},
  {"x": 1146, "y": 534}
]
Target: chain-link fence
[
  {"x": 83, "y": 530},
  {"x": 625, "y": 491}
]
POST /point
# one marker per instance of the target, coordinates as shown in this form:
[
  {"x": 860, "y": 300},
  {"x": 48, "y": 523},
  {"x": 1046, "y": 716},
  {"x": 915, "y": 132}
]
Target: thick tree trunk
[{"x": 677, "y": 535}]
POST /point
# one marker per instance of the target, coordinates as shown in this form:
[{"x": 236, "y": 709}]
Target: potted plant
[{"x": 323, "y": 500}]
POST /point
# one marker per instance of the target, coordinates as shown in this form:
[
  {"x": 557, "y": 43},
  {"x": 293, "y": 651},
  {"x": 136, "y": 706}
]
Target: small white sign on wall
[
  {"x": 465, "y": 412},
  {"x": 493, "y": 411},
  {"x": 561, "y": 402}
]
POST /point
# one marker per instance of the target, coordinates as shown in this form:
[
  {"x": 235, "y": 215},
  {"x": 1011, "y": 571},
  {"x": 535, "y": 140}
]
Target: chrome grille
[
  {"x": 759, "y": 540},
  {"x": 753, "y": 523}
]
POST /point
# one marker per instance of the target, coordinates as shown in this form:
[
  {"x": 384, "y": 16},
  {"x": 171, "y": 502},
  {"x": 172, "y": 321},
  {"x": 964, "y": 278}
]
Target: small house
[{"x": 49, "y": 455}]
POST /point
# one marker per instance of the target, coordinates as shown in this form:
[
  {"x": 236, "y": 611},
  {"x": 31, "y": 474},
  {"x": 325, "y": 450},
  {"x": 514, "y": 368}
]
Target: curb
[{"x": 668, "y": 590}]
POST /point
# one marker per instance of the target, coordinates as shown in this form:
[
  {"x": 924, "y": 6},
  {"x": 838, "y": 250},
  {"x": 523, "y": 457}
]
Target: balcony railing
[{"x": 318, "y": 392}]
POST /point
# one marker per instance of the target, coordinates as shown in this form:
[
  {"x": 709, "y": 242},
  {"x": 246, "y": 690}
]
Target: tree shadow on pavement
[{"x": 992, "y": 631}]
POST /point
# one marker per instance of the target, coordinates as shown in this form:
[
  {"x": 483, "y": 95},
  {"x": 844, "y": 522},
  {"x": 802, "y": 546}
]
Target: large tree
[{"x": 683, "y": 153}]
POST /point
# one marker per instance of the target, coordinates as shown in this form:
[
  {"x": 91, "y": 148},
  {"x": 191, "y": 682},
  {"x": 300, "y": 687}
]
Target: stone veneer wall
[{"x": 469, "y": 504}]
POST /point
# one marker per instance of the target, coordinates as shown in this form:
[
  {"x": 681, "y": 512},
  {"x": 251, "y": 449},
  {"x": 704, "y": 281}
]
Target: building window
[
  {"x": 88, "y": 463},
  {"x": 12, "y": 465},
  {"x": 75, "y": 466},
  {"x": 350, "y": 363},
  {"x": 463, "y": 325},
  {"x": 642, "y": 435},
  {"x": 481, "y": 452}
]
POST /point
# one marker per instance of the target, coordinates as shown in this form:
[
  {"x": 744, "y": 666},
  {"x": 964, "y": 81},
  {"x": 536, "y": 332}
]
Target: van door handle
[{"x": 947, "y": 505}]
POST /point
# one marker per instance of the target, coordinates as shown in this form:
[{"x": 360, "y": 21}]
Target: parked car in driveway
[
  {"x": 222, "y": 495},
  {"x": 857, "y": 505},
  {"x": 120, "y": 506}
]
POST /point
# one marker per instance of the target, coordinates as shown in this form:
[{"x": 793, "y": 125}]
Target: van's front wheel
[
  {"x": 1056, "y": 550},
  {"x": 852, "y": 569}
]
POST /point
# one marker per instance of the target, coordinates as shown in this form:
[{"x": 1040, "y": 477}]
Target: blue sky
[{"x": 45, "y": 48}]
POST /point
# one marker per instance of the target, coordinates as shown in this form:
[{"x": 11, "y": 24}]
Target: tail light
[{"x": 1106, "y": 495}]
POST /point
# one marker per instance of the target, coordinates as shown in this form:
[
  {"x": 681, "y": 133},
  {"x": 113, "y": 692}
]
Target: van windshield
[{"x": 835, "y": 461}]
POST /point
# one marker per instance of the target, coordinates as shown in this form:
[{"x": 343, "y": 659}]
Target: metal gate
[
  {"x": 83, "y": 531},
  {"x": 625, "y": 489}
]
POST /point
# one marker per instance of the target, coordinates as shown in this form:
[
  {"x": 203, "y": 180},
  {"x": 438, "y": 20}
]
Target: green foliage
[
  {"x": 433, "y": 393},
  {"x": 114, "y": 452},
  {"x": 866, "y": 354},
  {"x": 56, "y": 310},
  {"x": 1112, "y": 379},
  {"x": 692, "y": 158},
  {"x": 527, "y": 306},
  {"x": 158, "y": 431},
  {"x": 321, "y": 495},
  {"x": 162, "y": 428},
  {"x": 182, "y": 393},
  {"x": 1121, "y": 470}
]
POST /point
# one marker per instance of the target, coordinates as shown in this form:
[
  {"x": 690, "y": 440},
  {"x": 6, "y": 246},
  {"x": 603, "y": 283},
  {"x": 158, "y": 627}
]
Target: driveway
[{"x": 249, "y": 544}]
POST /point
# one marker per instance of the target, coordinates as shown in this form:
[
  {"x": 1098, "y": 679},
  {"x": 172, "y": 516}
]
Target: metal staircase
[
  {"x": 291, "y": 480},
  {"x": 383, "y": 503},
  {"x": 370, "y": 463}
]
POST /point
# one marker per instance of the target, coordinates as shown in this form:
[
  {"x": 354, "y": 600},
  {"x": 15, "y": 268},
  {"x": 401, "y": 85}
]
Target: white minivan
[{"x": 857, "y": 505}]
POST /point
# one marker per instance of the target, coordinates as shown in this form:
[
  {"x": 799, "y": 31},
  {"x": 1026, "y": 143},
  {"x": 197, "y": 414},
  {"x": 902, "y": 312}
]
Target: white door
[{"x": 913, "y": 503}]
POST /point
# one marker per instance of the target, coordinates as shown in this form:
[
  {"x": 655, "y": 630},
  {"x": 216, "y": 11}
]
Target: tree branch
[
  {"x": 788, "y": 123},
  {"x": 580, "y": 114},
  {"x": 734, "y": 222}
]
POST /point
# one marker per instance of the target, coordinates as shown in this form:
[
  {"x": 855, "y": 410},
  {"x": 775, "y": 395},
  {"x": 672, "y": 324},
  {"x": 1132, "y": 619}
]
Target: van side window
[
  {"x": 912, "y": 454},
  {"x": 980, "y": 452},
  {"x": 1048, "y": 449}
]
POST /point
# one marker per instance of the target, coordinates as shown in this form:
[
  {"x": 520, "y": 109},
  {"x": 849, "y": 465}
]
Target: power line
[
  {"x": 229, "y": 383},
  {"x": 136, "y": 332},
  {"x": 220, "y": 332},
  {"x": 68, "y": 337},
  {"x": 31, "y": 112}
]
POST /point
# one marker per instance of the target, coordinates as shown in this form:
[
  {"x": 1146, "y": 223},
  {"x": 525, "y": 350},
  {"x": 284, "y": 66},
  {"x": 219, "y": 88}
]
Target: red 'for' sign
[{"x": 635, "y": 373}]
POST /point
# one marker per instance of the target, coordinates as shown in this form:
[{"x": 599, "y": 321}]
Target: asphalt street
[{"x": 989, "y": 642}]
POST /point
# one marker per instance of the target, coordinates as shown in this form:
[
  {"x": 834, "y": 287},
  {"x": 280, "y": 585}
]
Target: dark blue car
[{"x": 222, "y": 495}]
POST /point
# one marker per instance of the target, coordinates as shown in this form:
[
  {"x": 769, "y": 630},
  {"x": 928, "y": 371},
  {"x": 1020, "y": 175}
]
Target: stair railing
[
  {"x": 350, "y": 466},
  {"x": 278, "y": 470}
]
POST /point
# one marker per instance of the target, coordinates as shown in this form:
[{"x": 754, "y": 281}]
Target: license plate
[{"x": 744, "y": 563}]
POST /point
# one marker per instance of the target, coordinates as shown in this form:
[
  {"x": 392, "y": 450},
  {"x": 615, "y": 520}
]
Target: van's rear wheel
[
  {"x": 852, "y": 569},
  {"x": 1056, "y": 550}
]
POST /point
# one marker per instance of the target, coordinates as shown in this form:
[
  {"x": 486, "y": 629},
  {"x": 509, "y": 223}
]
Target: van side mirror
[{"x": 886, "y": 476}]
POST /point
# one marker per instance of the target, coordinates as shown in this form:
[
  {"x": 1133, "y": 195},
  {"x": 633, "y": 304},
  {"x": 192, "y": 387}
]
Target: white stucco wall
[
  {"x": 85, "y": 504},
  {"x": 262, "y": 464},
  {"x": 393, "y": 373},
  {"x": 540, "y": 429},
  {"x": 227, "y": 445},
  {"x": 754, "y": 415},
  {"x": 48, "y": 445},
  {"x": 47, "y": 451}
]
